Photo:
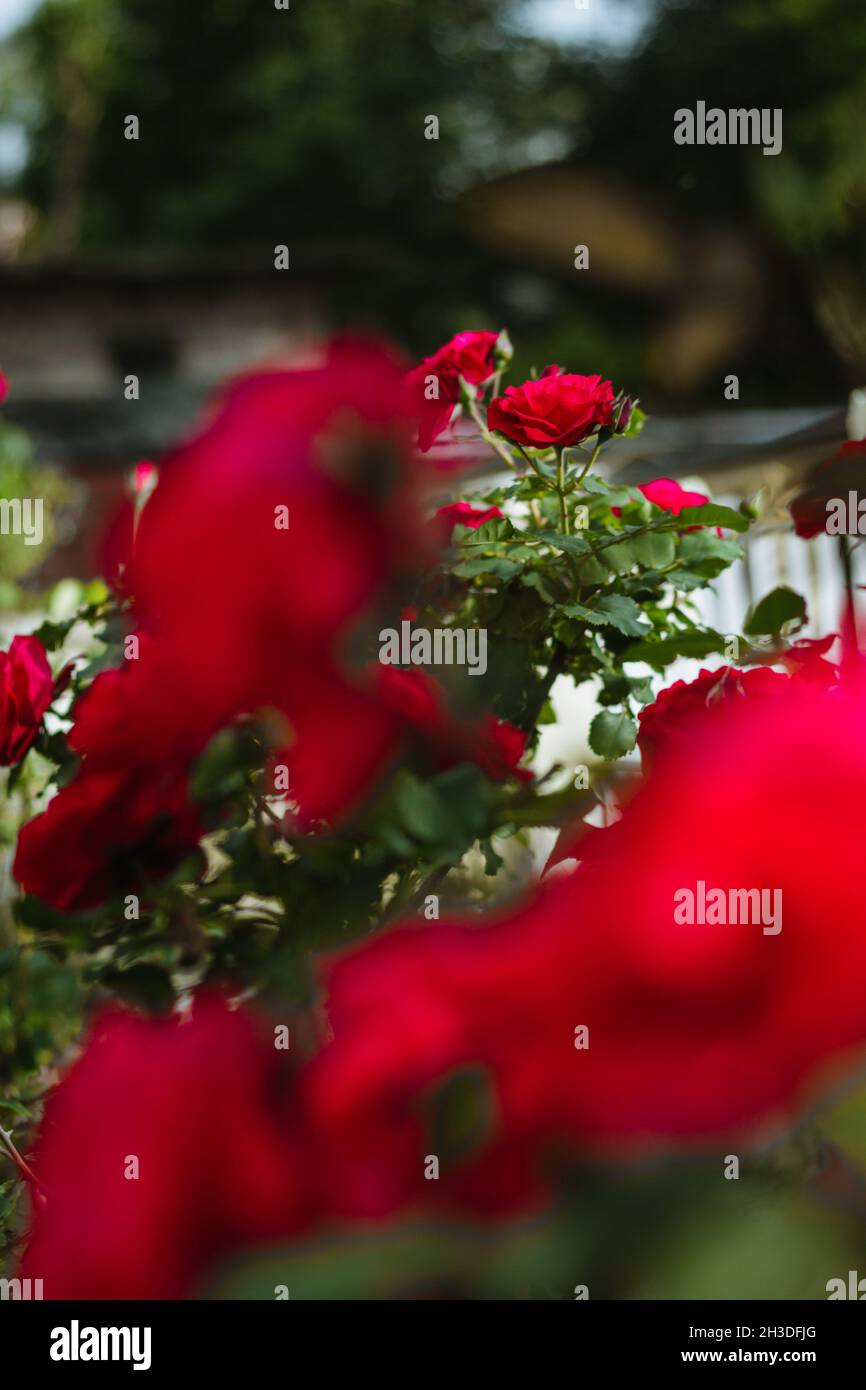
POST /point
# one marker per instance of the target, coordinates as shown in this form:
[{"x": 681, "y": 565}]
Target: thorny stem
[
  {"x": 556, "y": 668},
  {"x": 588, "y": 465},
  {"x": 21, "y": 1164},
  {"x": 488, "y": 438},
  {"x": 560, "y": 490}
]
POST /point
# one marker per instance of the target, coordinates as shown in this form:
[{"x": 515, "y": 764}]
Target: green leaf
[
  {"x": 712, "y": 514},
  {"x": 461, "y": 1113},
  {"x": 613, "y": 610},
  {"x": 704, "y": 545},
  {"x": 619, "y": 557},
  {"x": 483, "y": 564},
  {"x": 612, "y": 733},
  {"x": 534, "y": 579},
  {"x": 703, "y": 556},
  {"x": 655, "y": 550},
  {"x": 775, "y": 611},
  {"x": 221, "y": 769},
  {"x": 422, "y": 810},
  {"x": 571, "y": 545},
  {"x": 493, "y": 861},
  {"x": 591, "y": 572},
  {"x": 696, "y": 644},
  {"x": 143, "y": 984},
  {"x": 53, "y": 634},
  {"x": 613, "y": 496},
  {"x": 497, "y": 529}
]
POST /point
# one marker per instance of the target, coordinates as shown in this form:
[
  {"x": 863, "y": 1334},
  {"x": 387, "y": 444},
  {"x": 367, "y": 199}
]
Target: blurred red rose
[
  {"x": 718, "y": 1029},
  {"x": 125, "y": 817},
  {"x": 27, "y": 688},
  {"x": 109, "y": 831},
  {"x": 421, "y": 704},
  {"x": 692, "y": 1030},
  {"x": 267, "y": 538},
  {"x": 461, "y": 514},
  {"x": 469, "y": 355},
  {"x": 284, "y": 518},
  {"x": 160, "y": 1151},
  {"x": 669, "y": 718},
  {"x": 594, "y": 1017},
  {"x": 807, "y": 659},
  {"x": 553, "y": 411}
]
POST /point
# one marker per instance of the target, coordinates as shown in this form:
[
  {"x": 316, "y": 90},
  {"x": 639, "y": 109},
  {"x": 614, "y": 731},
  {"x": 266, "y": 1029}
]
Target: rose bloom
[
  {"x": 554, "y": 411},
  {"x": 349, "y": 737},
  {"x": 461, "y": 514},
  {"x": 420, "y": 703},
  {"x": 194, "y": 1103},
  {"x": 469, "y": 355},
  {"x": 125, "y": 818},
  {"x": 700, "y": 1032},
  {"x": 241, "y": 614},
  {"x": 27, "y": 688},
  {"x": 108, "y": 832},
  {"x": 706, "y": 1032},
  {"x": 667, "y": 494},
  {"x": 667, "y": 720},
  {"x": 285, "y": 516}
]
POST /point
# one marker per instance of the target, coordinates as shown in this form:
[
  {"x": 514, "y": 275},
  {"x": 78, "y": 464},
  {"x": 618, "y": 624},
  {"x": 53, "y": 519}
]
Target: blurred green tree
[{"x": 261, "y": 126}]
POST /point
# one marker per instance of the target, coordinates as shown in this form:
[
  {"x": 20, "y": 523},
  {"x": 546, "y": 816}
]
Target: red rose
[
  {"x": 461, "y": 514},
  {"x": 806, "y": 659},
  {"x": 554, "y": 411},
  {"x": 274, "y": 530},
  {"x": 434, "y": 385},
  {"x": 721, "y": 1029},
  {"x": 26, "y": 690},
  {"x": 282, "y": 520},
  {"x": 4, "y": 387},
  {"x": 192, "y": 1103},
  {"x": 420, "y": 701},
  {"x": 670, "y": 717},
  {"x": 667, "y": 494},
  {"x": 125, "y": 817},
  {"x": 693, "y": 1029},
  {"x": 109, "y": 831}
]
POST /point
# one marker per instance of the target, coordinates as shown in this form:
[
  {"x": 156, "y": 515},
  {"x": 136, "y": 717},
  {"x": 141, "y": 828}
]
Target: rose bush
[{"x": 239, "y": 785}]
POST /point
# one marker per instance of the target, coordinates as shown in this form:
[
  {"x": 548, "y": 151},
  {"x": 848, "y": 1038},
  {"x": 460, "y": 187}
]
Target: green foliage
[
  {"x": 22, "y": 477},
  {"x": 781, "y": 610},
  {"x": 579, "y": 581},
  {"x": 673, "y": 1229}
]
